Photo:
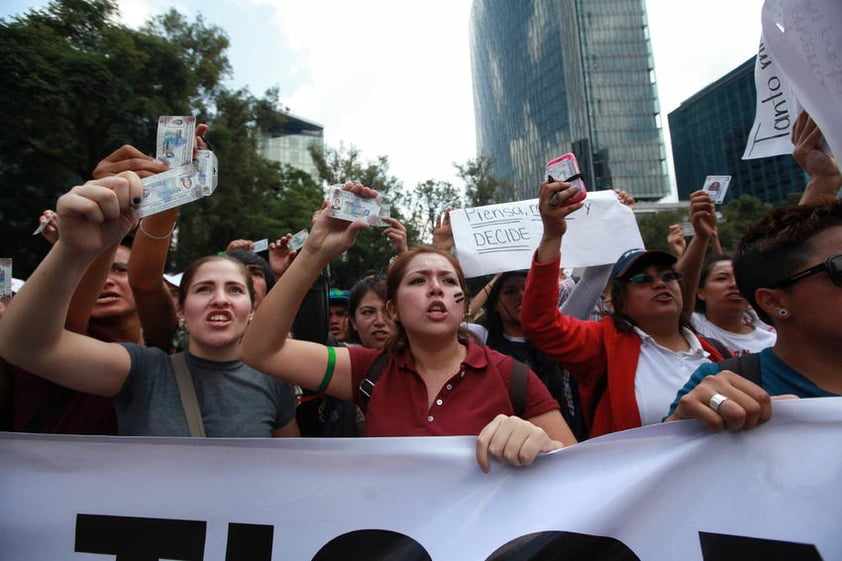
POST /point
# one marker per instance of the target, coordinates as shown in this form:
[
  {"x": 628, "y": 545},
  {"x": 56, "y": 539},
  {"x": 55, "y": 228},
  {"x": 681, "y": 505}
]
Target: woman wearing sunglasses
[
  {"x": 629, "y": 364},
  {"x": 789, "y": 267}
]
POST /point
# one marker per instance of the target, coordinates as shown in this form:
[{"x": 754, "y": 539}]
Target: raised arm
[
  {"x": 149, "y": 251},
  {"x": 703, "y": 217},
  {"x": 92, "y": 217},
  {"x": 825, "y": 177},
  {"x": 266, "y": 345}
]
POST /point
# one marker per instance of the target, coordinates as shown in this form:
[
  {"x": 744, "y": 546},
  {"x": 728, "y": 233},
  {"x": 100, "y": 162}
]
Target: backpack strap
[
  {"x": 719, "y": 346},
  {"x": 517, "y": 384},
  {"x": 366, "y": 387},
  {"x": 517, "y": 387},
  {"x": 187, "y": 393},
  {"x": 747, "y": 366}
]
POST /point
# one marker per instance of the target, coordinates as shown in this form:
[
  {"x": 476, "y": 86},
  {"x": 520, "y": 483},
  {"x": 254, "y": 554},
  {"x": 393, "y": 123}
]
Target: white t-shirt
[
  {"x": 738, "y": 343},
  {"x": 661, "y": 372}
]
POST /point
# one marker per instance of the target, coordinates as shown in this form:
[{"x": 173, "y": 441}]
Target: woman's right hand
[
  {"x": 330, "y": 237},
  {"x": 96, "y": 215}
]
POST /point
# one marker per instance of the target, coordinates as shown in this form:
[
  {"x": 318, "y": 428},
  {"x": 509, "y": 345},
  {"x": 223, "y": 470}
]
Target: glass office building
[
  {"x": 557, "y": 76},
  {"x": 288, "y": 143},
  {"x": 709, "y": 132}
]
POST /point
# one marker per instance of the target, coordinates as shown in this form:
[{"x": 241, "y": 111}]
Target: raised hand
[
  {"x": 99, "y": 213},
  {"x": 128, "y": 158},
  {"x": 443, "y": 232},
  {"x": 396, "y": 233},
  {"x": 280, "y": 255}
]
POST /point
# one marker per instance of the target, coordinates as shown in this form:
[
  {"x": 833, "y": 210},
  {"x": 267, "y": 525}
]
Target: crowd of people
[{"x": 101, "y": 341}]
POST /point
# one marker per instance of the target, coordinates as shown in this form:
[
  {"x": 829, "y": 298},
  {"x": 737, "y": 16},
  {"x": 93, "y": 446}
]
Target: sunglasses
[
  {"x": 643, "y": 278},
  {"x": 833, "y": 266}
]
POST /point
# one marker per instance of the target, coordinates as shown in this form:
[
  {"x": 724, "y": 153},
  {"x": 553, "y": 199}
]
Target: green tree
[
  {"x": 481, "y": 186},
  {"x": 654, "y": 227},
  {"x": 74, "y": 86},
  {"x": 428, "y": 200},
  {"x": 737, "y": 214}
]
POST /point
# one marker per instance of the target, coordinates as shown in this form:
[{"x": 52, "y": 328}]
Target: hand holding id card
[{"x": 716, "y": 186}]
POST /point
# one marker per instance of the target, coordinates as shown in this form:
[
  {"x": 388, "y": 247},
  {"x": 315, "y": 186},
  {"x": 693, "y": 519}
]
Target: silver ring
[{"x": 716, "y": 401}]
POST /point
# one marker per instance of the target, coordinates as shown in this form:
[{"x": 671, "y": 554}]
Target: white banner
[
  {"x": 665, "y": 492},
  {"x": 804, "y": 38},
  {"x": 776, "y": 110},
  {"x": 503, "y": 237}
]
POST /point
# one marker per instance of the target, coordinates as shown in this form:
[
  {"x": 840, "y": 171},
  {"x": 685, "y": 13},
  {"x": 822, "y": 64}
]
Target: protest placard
[{"x": 503, "y": 237}]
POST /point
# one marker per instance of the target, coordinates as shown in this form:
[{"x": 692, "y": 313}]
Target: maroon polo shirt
[{"x": 466, "y": 403}]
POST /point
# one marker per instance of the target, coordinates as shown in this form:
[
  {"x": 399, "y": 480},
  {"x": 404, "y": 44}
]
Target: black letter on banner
[
  {"x": 140, "y": 539},
  {"x": 249, "y": 542},
  {"x": 722, "y": 547},
  {"x": 563, "y": 546},
  {"x": 372, "y": 545}
]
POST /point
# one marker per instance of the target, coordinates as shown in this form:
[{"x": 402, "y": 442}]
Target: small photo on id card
[{"x": 716, "y": 186}]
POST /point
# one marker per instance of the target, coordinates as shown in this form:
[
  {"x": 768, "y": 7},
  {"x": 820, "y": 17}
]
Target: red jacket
[{"x": 589, "y": 350}]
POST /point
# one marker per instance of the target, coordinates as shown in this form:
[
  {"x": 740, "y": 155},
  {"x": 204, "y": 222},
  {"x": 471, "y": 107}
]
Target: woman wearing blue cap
[{"x": 630, "y": 364}]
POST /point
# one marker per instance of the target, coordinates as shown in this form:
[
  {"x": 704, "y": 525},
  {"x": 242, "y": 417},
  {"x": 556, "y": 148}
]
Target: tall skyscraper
[
  {"x": 709, "y": 132},
  {"x": 556, "y": 76}
]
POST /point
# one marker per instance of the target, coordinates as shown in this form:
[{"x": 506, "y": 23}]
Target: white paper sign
[
  {"x": 776, "y": 111},
  {"x": 503, "y": 237},
  {"x": 805, "y": 40},
  {"x": 662, "y": 493}
]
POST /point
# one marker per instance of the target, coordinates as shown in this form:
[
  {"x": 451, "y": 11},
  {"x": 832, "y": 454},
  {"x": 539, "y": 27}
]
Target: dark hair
[
  {"x": 396, "y": 274},
  {"x": 492, "y": 320},
  {"x": 778, "y": 246},
  {"x": 619, "y": 292},
  {"x": 250, "y": 258},
  {"x": 700, "y": 305},
  {"x": 375, "y": 283},
  {"x": 191, "y": 269}
]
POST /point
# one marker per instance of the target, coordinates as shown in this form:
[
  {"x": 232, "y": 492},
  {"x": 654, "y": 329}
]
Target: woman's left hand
[{"x": 512, "y": 440}]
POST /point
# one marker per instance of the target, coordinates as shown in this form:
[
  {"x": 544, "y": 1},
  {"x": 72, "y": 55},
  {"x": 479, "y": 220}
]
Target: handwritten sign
[
  {"x": 776, "y": 110},
  {"x": 803, "y": 37},
  {"x": 503, "y": 237}
]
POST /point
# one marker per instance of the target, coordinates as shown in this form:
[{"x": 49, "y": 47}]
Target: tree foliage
[
  {"x": 74, "y": 86},
  {"x": 737, "y": 214},
  {"x": 481, "y": 186}
]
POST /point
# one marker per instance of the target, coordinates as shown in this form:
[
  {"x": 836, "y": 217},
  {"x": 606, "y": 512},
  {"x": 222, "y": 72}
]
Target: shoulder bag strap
[
  {"x": 367, "y": 383},
  {"x": 188, "y": 395}
]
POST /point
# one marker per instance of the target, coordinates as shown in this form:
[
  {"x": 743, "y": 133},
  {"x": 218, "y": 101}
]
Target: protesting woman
[
  {"x": 215, "y": 304},
  {"x": 436, "y": 382}
]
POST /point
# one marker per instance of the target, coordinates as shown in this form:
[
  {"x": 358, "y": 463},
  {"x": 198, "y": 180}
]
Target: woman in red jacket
[{"x": 630, "y": 364}]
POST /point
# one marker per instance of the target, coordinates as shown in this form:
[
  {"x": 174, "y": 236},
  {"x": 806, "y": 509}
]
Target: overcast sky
[{"x": 393, "y": 78}]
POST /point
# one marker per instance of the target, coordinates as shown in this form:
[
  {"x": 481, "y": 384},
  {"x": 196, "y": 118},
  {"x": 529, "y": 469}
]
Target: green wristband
[{"x": 331, "y": 363}]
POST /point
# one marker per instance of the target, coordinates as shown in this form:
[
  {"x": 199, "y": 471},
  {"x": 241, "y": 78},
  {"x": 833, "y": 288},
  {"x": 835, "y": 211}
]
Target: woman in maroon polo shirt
[{"x": 436, "y": 382}]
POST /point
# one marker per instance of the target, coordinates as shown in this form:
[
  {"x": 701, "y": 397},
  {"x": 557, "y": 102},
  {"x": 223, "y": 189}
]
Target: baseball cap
[
  {"x": 640, "y": 256},
  {"x": 338, "y": 296}
]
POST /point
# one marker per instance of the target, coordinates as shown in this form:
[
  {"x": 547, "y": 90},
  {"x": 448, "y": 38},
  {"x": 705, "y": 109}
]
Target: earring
[
  {"x": 783, "y": 313},
  {"x": 251, "y": 317},
  {"x": 182, "y": 323}
]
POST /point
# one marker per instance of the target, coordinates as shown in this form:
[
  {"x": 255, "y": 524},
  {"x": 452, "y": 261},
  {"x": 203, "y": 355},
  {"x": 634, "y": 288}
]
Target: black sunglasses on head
[{"x": 833, "y": 266}]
